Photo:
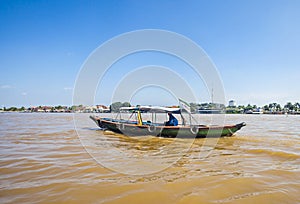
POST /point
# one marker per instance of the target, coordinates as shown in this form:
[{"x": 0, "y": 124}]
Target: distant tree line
[
  {"x": 289, "y": 107},
  {"x": 13, "y": 109}
]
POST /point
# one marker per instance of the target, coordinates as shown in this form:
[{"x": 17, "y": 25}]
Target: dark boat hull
[{"x": 197, "y": 131}]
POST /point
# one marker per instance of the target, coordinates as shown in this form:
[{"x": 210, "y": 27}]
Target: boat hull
[{"x": 196, "y": 131}]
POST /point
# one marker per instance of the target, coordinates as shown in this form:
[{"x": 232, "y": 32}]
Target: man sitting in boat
[{"x": 172, "y": 120}]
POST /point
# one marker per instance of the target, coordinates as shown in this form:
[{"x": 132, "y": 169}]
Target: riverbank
[
  {"x": 204, "y": 108},
  {"x": 263, "y": 113}
]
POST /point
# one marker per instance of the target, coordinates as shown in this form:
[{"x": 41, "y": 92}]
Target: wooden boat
[{"x": 138, "y": 127}]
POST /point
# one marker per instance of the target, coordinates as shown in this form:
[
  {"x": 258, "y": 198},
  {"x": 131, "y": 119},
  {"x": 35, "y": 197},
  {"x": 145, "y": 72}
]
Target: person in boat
[{"x": 172, "y": 120}]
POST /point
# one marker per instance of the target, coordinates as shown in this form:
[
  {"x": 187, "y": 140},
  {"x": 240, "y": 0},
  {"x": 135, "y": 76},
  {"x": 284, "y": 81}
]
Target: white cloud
[
  {"x": 24, "y": 93},
  {"x": 68, "y": 88},
  {"x": 6, "y": 86}
]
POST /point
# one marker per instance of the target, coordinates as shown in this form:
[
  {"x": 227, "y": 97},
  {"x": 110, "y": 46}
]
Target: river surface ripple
[{"x": 43, "y": 160}]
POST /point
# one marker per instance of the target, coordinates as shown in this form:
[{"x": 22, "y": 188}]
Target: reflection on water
[{"x": 43, "y": 160}]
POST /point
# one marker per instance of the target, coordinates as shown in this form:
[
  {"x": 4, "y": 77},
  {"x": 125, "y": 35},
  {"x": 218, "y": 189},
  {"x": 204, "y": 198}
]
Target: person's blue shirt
[{"x": 172, "y": 120}]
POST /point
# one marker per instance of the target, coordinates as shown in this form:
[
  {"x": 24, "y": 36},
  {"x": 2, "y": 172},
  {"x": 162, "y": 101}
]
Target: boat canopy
[{"x": 152, "y": 109}]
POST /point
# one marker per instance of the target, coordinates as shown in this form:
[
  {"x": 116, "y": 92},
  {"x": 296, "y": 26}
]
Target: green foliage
[
  {"x": 296, "y": 105},
  {"x": 58, "y": 107},
  {"x": 12, "y": 109},
  {"x": 278, "y": 107},
  {"x": 292, "y": 107},
  {"x": 241, "y": 107},
  {"x": 249, "y": 107},
  {"x": 126, "y": 104}
]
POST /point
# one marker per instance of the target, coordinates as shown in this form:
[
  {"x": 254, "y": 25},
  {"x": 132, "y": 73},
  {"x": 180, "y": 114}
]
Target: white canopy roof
[{"x": 152, "y": 109}]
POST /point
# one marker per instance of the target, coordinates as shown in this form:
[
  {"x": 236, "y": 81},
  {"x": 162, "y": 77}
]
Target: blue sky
[{"x": 254, "y": 44}]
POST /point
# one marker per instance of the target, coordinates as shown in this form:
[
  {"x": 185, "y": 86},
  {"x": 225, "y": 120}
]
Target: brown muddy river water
[{"x": 43, "y": 160}]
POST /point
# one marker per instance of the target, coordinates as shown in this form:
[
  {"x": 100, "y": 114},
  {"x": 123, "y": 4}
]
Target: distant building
[
  {"x": 102, "y": 109},
  {"x": 258, "y": 111},
  {"x": 232, "y": 103},
  {"x": 47, "y": 109},
  {"x": 89, "y": 109},
  {"x": 95, "y": 109}
]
